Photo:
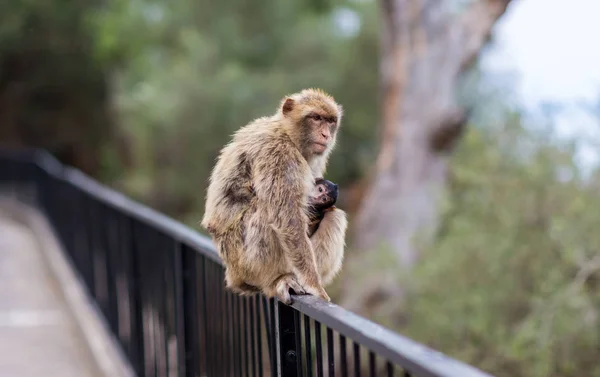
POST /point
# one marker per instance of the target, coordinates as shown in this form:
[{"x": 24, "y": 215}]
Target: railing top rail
[
  {"x": 135, "y": 209},
  {"x": 144, "y": 213},
  {"x": 416, "y": 357}
]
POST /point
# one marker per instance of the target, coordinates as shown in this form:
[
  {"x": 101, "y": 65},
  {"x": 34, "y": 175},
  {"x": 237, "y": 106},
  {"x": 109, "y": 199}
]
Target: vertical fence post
[
  {"x": 287, "y": 353},
  {"x": 188, "y": 305}
]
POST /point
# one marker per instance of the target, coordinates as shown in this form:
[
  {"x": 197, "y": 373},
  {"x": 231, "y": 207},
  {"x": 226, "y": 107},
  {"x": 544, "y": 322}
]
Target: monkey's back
[{"x": 231, "y": 198}]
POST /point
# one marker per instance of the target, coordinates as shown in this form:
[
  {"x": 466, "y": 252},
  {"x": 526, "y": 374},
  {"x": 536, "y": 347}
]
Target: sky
[
  {"x": 551, "y": 51},
  {"x": 553, "y": 46}
]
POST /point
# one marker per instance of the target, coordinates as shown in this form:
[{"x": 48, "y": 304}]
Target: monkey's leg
[
  {"x": 263, "y": 265},
  {"x": 280, "y": 186},
  {"x": 329, "y": 242},
  {"x": 304, "y": 264}
]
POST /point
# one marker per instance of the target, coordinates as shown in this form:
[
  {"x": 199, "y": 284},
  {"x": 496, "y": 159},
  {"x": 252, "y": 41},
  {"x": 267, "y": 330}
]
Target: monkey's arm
[
  {"x": 279, "y": 183},
  {"x": 315, "y": 216},
  {"x": 329, "y": 242}
]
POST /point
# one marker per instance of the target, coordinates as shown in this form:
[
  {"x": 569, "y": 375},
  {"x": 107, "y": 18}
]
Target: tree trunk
[{"x": 425, "y": 47}]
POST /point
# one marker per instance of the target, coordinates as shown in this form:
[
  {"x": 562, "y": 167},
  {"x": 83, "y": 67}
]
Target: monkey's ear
[{"x": 287, "y": 106}]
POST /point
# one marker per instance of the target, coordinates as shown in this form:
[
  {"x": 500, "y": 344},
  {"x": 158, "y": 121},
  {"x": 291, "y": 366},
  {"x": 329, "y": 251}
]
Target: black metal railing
[{"x": 159, "y": 286}]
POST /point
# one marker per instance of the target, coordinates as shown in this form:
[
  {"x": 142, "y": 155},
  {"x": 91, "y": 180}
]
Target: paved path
[{"x": 38, "y": 334}]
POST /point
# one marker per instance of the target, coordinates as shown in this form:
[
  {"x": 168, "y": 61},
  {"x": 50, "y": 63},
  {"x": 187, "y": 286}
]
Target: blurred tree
[
  {"x": 196, "y": 71},
  {"x": 53, "y": 92},
  {"x": 509, "y": 279},
  {"x": 511, "y": 282},
  {"x": 426, "y": 46}
]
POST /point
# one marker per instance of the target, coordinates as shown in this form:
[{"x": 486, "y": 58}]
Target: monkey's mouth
[{"x": 320, "y": 146}]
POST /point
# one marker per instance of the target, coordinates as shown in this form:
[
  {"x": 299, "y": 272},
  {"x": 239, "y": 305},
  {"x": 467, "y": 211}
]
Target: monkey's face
[
  {"x": 316, "y": 119},
  {"x": 321, "y": 128},
  {"x": 324, "y": 194}
]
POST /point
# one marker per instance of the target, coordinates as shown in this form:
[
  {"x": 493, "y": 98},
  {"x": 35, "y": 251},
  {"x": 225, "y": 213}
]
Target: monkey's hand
[{"x": 328, "y": 209}]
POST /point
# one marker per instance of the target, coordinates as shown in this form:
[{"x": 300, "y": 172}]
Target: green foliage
[
  {"x": 511, "y": 284},
  {"x": 195, "y": 71},
  {"x": 53, "y": 92}
]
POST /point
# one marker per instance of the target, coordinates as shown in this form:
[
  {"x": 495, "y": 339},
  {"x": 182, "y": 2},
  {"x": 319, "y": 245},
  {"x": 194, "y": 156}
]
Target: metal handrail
[{"x": 413, "y": 358}]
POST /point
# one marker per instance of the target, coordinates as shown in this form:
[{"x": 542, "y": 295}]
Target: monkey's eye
[
  {"x": 317, "y": 117},
  {"x": 320, "y": 189}
]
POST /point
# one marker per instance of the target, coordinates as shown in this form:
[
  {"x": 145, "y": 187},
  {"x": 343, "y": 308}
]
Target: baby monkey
[{"x": 322, "y": 199}]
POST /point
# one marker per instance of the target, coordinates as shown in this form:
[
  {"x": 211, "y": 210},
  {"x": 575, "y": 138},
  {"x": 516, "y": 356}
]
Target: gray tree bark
[{"x": 425, "y": 47}]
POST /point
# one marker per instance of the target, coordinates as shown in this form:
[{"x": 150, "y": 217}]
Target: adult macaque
[{"x": 257, "y": 201}]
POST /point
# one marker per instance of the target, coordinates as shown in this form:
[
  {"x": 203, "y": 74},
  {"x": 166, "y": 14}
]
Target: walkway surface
[{"x": 38, "y": 333}]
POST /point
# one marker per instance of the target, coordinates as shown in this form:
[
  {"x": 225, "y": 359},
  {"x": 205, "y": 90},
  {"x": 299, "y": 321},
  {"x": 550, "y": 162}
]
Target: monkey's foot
[
  {"x": 317, "y": 291},
  {"x": 283, "y": 284},
  {"x": 244, "y": 289}
]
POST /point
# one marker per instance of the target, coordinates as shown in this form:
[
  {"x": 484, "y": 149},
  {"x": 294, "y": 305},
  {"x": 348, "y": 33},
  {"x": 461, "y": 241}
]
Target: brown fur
[{"x": 257, "y": 201}]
